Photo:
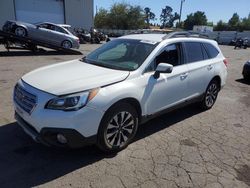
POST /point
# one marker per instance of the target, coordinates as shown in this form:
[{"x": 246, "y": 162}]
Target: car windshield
[{"x": 121, "y": 54}]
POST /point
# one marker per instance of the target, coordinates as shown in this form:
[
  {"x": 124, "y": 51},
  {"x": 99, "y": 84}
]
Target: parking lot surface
[{"x": 184, "y": 148}]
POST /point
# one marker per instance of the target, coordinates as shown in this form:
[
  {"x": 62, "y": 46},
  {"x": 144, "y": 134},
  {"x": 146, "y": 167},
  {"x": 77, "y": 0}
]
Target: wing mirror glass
[{"x": 163, "y": 68}]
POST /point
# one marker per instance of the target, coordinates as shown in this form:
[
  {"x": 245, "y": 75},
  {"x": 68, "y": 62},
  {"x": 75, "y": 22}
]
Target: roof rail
[{"x": 184, "y": 34}]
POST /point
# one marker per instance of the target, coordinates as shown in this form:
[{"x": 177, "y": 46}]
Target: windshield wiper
[{"x": 83, "y": 59}]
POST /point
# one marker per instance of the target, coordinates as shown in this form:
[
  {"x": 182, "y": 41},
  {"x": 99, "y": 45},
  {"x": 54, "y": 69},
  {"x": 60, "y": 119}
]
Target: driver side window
[{"x": 171, "y": 55}]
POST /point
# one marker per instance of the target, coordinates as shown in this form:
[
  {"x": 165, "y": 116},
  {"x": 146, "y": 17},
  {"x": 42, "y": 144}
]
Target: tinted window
[
  {"x": 171, "y": 55},
  {"x": 212, "y": 51},
  {"x": 193, "y": 52},
  {"x": 61, "y": 30}
]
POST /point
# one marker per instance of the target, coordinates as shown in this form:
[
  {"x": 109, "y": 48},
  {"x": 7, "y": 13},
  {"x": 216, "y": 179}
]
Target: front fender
[{"x": 110, "y": 95}]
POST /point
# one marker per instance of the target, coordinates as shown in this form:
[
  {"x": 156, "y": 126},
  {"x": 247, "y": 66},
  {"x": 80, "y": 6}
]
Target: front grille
[{"x": 24, "y": 99}]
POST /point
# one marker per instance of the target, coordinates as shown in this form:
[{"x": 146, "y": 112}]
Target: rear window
[
  {"x": 193, "y": 52},
  {"x": 211, "y": 50}
]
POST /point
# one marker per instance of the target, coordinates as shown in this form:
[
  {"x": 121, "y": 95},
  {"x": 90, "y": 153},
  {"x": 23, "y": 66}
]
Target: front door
[{"x": 170, "y": 88}]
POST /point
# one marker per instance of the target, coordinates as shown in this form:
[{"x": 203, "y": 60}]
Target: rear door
[{"x": 200, "y": 68}]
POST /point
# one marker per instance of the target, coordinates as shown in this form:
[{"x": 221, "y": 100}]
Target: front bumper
[{"x": 48, "y": 136}]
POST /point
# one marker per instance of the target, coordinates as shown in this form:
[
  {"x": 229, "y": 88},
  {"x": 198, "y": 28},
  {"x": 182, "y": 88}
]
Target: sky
[{"x": 215, "y": 10}]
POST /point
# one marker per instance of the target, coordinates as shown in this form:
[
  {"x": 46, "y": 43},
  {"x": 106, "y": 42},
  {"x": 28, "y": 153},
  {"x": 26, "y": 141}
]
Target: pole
[{"x": 182, "y": 1}]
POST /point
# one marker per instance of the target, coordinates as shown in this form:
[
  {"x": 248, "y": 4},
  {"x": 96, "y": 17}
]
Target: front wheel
[
  {"x": 66, "y": 44},
  {"x": 210, "y": 95},
  {"x": 118, "y": 128},
  {"x": 21, "y": 32}
]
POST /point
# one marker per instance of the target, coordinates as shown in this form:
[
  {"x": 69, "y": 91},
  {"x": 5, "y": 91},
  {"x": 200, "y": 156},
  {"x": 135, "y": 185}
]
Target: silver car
[{"x": 44, "y": 32}]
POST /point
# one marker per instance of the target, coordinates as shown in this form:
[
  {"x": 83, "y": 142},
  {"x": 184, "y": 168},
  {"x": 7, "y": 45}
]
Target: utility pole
[{"x": 182, "y": 1}]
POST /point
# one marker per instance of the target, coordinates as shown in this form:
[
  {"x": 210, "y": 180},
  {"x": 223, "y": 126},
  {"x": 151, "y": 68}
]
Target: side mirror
[{"x": 163, "y": 68}]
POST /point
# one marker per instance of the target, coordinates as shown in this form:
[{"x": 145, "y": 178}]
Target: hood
[
  {"x": 25, "y": 24},
  {"x": 72, "y": 76}
]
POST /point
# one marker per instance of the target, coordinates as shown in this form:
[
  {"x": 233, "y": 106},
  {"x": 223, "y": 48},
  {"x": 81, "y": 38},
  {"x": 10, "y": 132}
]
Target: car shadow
[
  {"x": 243, "y": 81},
  {"x": 26, "y": 163},
  {"x": 40, "y": 52}
]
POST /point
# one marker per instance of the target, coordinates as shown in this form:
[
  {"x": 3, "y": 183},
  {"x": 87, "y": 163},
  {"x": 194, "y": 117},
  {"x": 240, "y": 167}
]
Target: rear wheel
[
  {"x": 210, "y": 95},
  {"x": 118, "y": 128},
  {"x": 20, "y": 31},
  {"x": 66, "y": 44}
]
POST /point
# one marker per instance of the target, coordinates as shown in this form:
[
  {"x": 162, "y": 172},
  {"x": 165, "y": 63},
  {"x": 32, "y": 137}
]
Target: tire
[
  {"x": 246, "y": 77},
  {"x": 20, "y": 31},
  {"x": 97, "y": 40},
  {"x": 67, "y": 44},
  {"x": 210, "y": 95},
  {"x": 118, "y": 128}
]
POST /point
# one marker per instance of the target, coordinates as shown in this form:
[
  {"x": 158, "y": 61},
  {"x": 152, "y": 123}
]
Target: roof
[{"x": 146, "y": 37}]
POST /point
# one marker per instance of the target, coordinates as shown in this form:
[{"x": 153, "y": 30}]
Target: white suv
[{"x": 103, "y": 97}]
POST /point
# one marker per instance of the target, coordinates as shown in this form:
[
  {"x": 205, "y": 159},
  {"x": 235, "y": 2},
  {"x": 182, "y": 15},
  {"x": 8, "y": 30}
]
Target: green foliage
[
  {"x": 221, "y": 26},
  {"x": 197, "y": 18},
  {"x": 102, "y": 19},
  {"x": 234, "y": 24},
  {"x": 148, "y": 16},
  {"x": 167, "y": 17},
  {"x": 120, "y": 16}
]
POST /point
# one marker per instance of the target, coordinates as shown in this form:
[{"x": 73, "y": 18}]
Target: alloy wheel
[
  {"x": 67, "y": 44},
  {"x": 120, "y": 129},
  {"x": 211, "y": 95},
  {"x": 20, "y": 31}
]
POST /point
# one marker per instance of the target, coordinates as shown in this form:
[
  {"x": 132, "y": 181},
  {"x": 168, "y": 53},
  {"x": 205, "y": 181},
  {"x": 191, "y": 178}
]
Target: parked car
[
  {"x": 45, "y": 32},
  {"x": 83, "y": 35},
  {"x": 122, "y": 84},
  {"x": 246, "y": 71}
]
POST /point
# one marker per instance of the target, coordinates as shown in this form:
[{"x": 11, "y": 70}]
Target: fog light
[{"x": 61, "y": 139}]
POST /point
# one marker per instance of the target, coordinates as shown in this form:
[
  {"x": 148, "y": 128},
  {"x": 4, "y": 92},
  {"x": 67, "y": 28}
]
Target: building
[
  {"x": 203, "y": 28},
  {"x": 77, "y": 13}
]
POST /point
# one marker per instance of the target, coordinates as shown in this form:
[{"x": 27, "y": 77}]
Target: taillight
[{"x": 225, "y": 61}]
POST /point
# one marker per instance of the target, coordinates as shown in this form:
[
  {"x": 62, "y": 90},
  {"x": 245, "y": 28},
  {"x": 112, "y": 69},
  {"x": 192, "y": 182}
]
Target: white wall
[
  {"x": 79, "y": 13},
  {"x": 33, "y": 11}
]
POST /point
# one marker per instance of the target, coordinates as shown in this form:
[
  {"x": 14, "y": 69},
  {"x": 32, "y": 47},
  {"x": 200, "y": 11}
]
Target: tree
[
  {"x": 197, "y": 18},
  {"x": 135, "y": 18},
  {"x": 148, "y": 16},
  {"x": 167, "y": 18},
  {"x": 246, "y": 23},
  {"x": 120, "y": 16},
  {"x": 234, "y": 22},
  {"x": 221, "y": 26},
  {"x": 101, "y": 19}
]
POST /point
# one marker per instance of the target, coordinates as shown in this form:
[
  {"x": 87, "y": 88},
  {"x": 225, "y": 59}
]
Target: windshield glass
[{"x": 121, "y": 54}]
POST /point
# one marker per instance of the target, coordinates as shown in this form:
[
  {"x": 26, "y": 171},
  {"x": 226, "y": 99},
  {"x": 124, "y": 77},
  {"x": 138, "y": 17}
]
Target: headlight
[{"x": 72, "y": 102}]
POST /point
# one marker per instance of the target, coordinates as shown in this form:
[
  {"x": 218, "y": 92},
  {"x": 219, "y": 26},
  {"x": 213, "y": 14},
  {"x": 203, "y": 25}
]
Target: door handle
[
  {"x": 209, "y": 67},
  {"x": 184, "y": 76}
]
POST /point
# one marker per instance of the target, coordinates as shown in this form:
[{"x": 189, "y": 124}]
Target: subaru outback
[{"x": 103, "y": 97}]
